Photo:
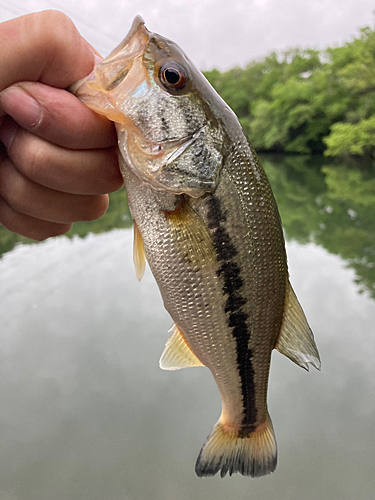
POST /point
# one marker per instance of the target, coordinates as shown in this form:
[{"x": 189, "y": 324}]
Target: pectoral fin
[
  {"x": 177, "y": 354},
  {"x": 139, "y": 255},
  {"x": 191, "y": 236},
  {"x": 296, "y": 340}
]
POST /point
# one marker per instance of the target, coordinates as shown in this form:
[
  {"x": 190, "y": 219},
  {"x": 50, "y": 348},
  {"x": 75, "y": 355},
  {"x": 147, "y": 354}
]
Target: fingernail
[
  {"x": 21, "y": 106},
  {"x": 8, "y": 131}
]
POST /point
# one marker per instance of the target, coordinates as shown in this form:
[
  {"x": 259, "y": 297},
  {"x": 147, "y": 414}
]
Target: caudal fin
[{"x": 226, "y": 451}]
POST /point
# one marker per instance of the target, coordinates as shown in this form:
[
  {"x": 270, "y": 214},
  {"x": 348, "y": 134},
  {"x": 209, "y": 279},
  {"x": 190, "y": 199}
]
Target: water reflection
[
  {"x": 87, "y": 413},
  {"x": 330, "y": 204}
]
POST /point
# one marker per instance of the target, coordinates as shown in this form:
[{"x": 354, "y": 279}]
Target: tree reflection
[
  {"x": 117, "y": 216},
  {"x": 331, "y": 204}
]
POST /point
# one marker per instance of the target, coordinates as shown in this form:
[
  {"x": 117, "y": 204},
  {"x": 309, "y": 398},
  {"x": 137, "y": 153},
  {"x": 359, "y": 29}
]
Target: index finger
[
  {"x": 44, "y": 46},
  {"x": 61, "y": 118}
]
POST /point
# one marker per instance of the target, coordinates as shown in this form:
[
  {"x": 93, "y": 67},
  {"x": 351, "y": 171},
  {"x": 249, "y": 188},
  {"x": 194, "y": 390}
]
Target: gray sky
[{"x": 213, "y": 33}]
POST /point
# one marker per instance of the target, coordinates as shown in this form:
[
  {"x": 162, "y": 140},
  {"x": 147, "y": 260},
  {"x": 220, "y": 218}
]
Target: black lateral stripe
[{"x": 230, "y": 273}]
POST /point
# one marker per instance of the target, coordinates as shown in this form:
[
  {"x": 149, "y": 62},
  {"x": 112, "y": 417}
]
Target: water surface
[{"x": 87, "y": 413}]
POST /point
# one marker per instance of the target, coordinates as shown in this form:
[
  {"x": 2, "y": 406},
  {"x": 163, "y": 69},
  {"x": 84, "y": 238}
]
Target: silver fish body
[{"x": 208, "y": 225}]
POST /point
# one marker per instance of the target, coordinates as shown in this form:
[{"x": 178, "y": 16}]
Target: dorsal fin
[
  {"x": 139, "y": 255},
  {"x": 177, "y": 354},
  {"x": 296, "y": 340}
]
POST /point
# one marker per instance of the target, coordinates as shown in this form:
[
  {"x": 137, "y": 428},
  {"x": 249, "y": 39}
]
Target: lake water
[{"x": 87, "y": 414}]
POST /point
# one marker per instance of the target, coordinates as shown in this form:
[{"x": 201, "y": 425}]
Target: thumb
[{"x": 44, "y": 47}]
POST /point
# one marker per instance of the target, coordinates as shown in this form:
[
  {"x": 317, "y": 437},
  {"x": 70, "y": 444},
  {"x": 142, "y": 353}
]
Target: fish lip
[
  {"x": 116, "y": 66},
  {"x": 138, "y": 27},
  {"x": 137, "y": 23},
  {"x": 111, "y": 70}
]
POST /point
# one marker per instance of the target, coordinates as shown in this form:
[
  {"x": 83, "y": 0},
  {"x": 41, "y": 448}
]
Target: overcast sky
[{"x": 213, "y": 33}]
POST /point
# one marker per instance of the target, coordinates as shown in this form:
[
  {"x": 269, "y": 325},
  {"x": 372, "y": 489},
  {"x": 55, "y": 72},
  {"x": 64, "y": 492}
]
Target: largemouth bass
[{"x": 206, "y": 221}]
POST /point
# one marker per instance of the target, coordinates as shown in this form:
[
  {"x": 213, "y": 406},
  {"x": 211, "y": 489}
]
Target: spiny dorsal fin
[
  {"x": 296, "y": 340},
  {"x": 177, "y": 354},
  {"x": 139, "y": 256}
]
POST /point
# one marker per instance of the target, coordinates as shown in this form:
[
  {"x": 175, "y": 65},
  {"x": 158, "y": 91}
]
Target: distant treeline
[{"x": 307, "y": 101}]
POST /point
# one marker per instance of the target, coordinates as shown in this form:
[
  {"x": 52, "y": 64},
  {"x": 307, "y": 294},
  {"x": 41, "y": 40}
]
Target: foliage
[
  {"x": 355, "y": 138},
  {"x": 307, "y": 101}
]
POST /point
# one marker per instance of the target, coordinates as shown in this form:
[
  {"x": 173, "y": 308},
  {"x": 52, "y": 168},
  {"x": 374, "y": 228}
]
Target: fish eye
[{"x": 173, "y": 76}]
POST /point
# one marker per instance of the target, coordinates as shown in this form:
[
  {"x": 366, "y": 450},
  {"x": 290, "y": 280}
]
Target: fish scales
[
  {"x": 206, "y": 221},
  {"x": 245, "y": 270}
]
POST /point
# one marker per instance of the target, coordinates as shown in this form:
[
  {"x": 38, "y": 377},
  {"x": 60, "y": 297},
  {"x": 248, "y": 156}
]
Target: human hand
[{"x": 60, "y": 157}]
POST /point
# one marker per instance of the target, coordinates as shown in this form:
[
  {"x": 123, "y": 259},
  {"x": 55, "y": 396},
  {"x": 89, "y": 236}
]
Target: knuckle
[
  {"x": 97, "y": 208},
  {"x": 37, "y": 236},
  {"x": 63, "y": 45},
  {"x": 58, "y": 229},
  {"x": 30, "y": 227},
  {"x": 35, "y": 158},
  {"x": 7, "y": 216},
  {"x": 26, "y": 155},
  {"x": 30, "y": 154},
  {"x": 13, "y": 187},
  {"x": 56, "y": 24}
]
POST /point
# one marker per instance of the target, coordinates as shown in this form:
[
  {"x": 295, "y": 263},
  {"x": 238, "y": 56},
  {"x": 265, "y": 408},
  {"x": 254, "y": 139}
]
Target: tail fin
[{"x": 226, "y": 451}]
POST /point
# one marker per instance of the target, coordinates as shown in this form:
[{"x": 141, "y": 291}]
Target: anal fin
[
  {"x": 296, "y": 340},
  {"x": 177, "y": 354},
  {"x": 139, "y": 255}
]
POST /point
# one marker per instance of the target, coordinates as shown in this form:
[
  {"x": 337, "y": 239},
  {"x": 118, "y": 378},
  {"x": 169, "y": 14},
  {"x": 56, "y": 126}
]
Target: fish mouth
[
  {"x": 114, "y": 68},
  {"x": 121, "y": 76},
  {"x": 109, "y": 73},
  {"x": 119, "y": 81}
]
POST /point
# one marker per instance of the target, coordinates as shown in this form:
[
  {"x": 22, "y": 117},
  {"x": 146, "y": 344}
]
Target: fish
[{"x": 207, "y": 223}]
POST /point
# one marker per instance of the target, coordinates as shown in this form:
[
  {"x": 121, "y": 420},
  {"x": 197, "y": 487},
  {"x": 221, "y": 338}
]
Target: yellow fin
[
  {"x": 191, "y": 235},
  {"x": 227, "y": 451},
  {"x": 139, "y": 255},
  {"x": 296, "y": 340},
  {"x": 177, "y": 354}
]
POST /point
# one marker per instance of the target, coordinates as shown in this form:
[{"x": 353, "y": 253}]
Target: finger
[
  {"x": 57, "y": 116},
  {"x": 29, "y": 198},
  {"x": 29, "y": 226},
  {"x": 46, "y": 47},
  {"x": 84, "y": 172}
]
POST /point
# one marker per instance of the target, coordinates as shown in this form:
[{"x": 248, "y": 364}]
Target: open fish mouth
[
  {"x": 131, "y": 88},
  {"x": 120, "y": 78},
  {"x": 112, "y": 70}
]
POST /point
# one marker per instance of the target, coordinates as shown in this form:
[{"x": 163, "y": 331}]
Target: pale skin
[{"x": 58, "y": 159}]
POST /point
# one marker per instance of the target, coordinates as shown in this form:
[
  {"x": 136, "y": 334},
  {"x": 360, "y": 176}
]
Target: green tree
[
  {"x": 307, "y": 101},
  {"x": 354, "y": 67}
]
